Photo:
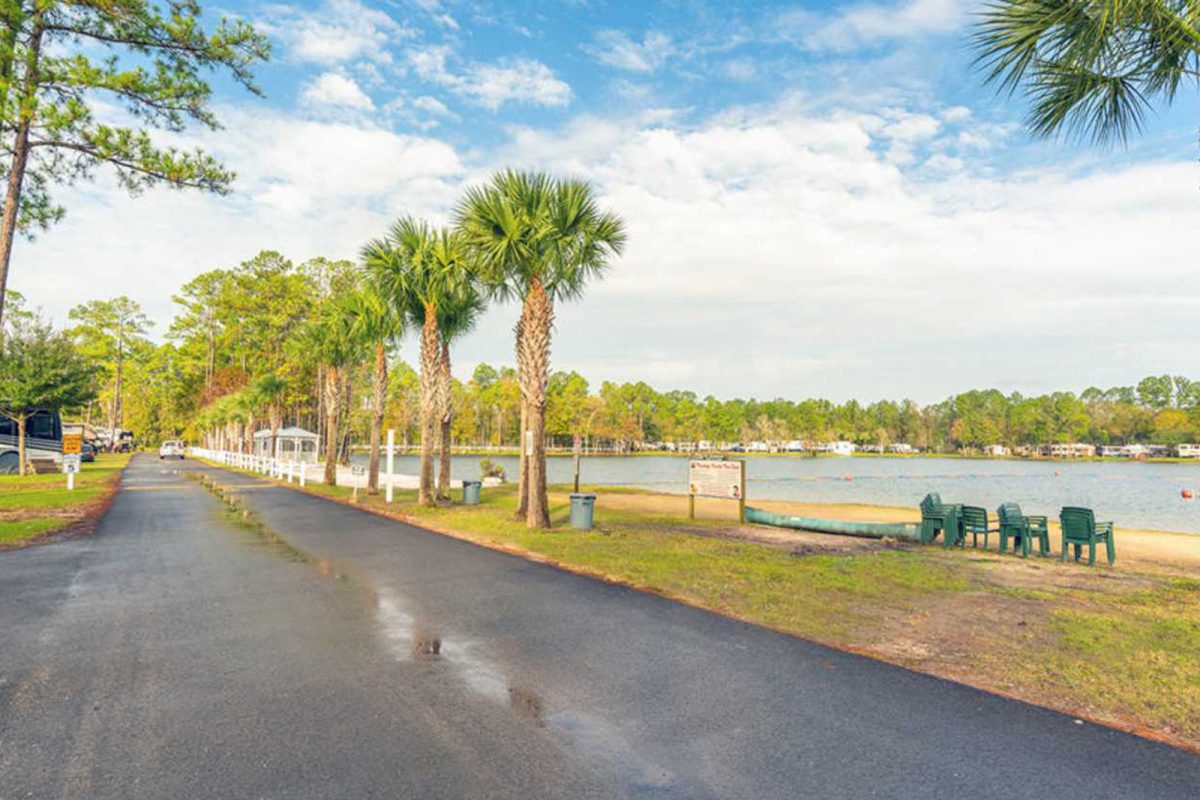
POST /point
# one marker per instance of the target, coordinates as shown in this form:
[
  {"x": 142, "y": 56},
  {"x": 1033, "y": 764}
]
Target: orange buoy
[
  {"x": 848, "y": 478},
  {"x": 1186, "y": 494}
]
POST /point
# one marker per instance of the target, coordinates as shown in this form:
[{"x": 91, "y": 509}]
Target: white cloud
[
  {"x": 740, "y": 69},
  {"x": 335, "y": 89},
  {"x": 433, "y": 107},
  {"x": 521, "y": 81},
  {"x": 616, "y": 49},
  {"x": 869, "y": 23},
  {"x": 337, "y": 31}
]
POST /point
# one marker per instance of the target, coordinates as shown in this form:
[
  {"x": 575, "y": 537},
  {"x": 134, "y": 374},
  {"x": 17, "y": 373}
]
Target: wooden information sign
[{"x": 725, "y": 480}]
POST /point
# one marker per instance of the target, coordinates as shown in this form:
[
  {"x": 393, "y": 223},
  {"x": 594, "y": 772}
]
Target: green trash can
[
  {"x": 583, "y": 508},
  {"x": 471, "y": 491}
]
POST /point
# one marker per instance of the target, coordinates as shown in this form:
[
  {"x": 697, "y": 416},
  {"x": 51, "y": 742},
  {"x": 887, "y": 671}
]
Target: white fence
[
  {"x": 301, "y": 472},
  {"x": 305, "y": 473}
]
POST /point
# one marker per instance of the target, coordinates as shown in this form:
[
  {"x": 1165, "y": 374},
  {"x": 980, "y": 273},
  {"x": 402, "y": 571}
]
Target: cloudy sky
[{"x": 821, "y": 198}]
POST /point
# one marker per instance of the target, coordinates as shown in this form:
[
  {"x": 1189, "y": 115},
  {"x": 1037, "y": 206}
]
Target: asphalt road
[{"x": 175, "y": 654}]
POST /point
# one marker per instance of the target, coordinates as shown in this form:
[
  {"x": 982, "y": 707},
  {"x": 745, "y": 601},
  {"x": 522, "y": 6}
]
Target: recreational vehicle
[{"x": 43, "y": 439}]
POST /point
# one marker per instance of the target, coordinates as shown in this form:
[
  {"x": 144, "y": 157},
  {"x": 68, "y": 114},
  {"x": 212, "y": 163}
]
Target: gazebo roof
[{"x": 286, "y": 433}]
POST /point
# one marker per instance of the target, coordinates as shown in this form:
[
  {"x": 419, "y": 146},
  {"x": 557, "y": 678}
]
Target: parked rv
[{"x": 43, "y": 440}]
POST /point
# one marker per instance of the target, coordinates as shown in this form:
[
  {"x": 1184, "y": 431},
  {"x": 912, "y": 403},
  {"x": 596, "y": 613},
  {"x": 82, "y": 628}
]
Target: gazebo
[{"x": 291, "y": 444}]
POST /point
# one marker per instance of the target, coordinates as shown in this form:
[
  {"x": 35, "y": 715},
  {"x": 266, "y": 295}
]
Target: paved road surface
[{"x": 174, "y": 655}]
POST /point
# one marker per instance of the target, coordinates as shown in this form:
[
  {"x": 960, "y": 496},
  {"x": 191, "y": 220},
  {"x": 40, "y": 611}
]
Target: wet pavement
[{"x": 182, "y": 652}]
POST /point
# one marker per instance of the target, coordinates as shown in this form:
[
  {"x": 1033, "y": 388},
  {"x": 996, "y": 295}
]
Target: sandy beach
[{"x": 1136, "y": 549}]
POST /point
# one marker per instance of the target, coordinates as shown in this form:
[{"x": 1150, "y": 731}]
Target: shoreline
[{"x": 513, "y": 452}]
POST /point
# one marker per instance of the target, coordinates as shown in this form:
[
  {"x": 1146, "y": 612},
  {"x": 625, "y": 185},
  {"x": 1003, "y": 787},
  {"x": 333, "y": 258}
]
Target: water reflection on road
[{"x": 598, "y": 741}]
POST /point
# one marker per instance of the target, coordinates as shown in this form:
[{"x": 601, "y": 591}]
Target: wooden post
[
  {"x": 742, "y": 496},
  {"x": 691, "y": 506}
]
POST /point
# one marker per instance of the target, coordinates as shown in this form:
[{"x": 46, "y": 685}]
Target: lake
[{"x": 1135, "y": 495}]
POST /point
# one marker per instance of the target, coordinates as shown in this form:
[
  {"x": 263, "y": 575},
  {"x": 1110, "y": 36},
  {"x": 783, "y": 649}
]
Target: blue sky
[{"x": 822, "y": 198}]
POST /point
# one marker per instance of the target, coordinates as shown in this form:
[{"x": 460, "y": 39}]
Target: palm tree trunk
[
  {"x": 276, "y": 414},
  {"x": 378, "y": 396},
  {"x": 446, "y": 403},
  {"x": 522, "y": 457},
  {"x": 429, "y": 380},
  {"x": 538, "y": 326},
  {"x": 332, "y": 403}
]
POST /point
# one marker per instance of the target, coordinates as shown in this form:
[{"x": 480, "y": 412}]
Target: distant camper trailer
[
  {"x": 1187, "y": 451},
  {"x": 43, "y": 439},
  {"x": 1072, "y": 450}
]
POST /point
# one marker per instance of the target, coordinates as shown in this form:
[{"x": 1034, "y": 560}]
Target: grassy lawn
[
  {"x": 1115, "y": 645},
  {"x": 35, "y": 505}
]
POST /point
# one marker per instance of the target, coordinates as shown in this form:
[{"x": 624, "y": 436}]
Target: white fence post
[
  {"x": 391, "y": 450},
  {"x": 302, "y": 474}
]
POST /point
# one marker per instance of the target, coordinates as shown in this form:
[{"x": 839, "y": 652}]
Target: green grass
[
  {"x": 1135, "y": 657},
  {"x": 21, "y": 497},
  {"x": 19, "y": 531}
]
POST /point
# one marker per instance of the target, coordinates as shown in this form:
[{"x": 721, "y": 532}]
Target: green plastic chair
[
  {"x": 1079, "y": 527},
  {"x": 938, "y": 516},
  {"x": 1021, "y": 528},
  {"x": 975, "y": 523}
]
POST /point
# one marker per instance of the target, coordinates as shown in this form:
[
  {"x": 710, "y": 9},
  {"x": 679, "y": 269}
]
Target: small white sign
[
  {"x": 716, "y": 479},
  {"x": 358, "y": 469},
  {"x": 70, "y": 464}
]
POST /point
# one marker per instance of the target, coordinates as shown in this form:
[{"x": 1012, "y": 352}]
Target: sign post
[
  {"x": 725, "y": 480},
  {"x": 391, "y": 450},
  {"x": 72, "y": 456},
  {"x": 357, "y": 471}
]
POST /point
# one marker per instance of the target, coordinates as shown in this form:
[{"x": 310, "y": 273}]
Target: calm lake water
[{"x": 1130, "y": 494}]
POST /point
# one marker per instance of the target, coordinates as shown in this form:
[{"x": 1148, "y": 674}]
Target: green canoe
[{"x": 871, "y": 530}]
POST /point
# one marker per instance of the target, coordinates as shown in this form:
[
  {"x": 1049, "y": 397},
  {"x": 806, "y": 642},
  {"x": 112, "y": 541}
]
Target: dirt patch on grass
[
  {"x": 957, "y": 637},
  {"x": 800, "y": 543},
  {"x": 21, "y": 514}
]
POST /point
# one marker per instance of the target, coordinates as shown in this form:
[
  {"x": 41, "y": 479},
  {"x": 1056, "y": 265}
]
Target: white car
[{"x": 172, "y": 448}]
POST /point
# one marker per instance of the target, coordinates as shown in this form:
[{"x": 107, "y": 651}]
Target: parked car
[
  {"x": 172, "y": 448},
  {"x": 88, "y": 452}
]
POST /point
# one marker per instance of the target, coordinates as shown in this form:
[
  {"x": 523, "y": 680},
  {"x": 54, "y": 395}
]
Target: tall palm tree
[
  {"x": 377, "y": 323},
  {"x": 269, "y": 390},
  {"x": 416, "y": 267},
  {"x": 539, "y": 239},
  {"x": 1091, "y": 68},
  {"x": 457, "y": 316},
  {"x": 329, "y": 338}
]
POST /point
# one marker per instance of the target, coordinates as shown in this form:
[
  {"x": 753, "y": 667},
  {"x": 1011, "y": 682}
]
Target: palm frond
[{"x": 1092, "y": 69}]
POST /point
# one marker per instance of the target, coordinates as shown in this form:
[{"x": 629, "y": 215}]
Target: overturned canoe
[{"x": 870, "y": 530}]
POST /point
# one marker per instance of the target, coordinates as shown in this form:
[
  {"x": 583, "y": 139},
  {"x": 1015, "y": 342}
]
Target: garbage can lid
[{"x": 582, "y": 496}]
